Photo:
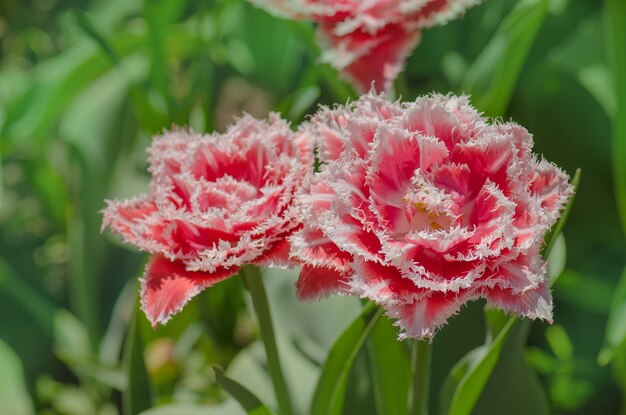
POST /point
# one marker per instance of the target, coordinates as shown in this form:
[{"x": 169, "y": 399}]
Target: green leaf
[
  {"x": 55, "y": 84},
  {"x": 556, "y": 259},
  {"x": 246, "y": 399},
  {"x": 513, "y": 387},
  {"x": 616, "y": 19},
  {"x": 541, "y": 361},
  {"x": 37, "y": 305},
  {"x": 390, "y": 365},
  {"x": 70, "y": 336},
  {"x": 330, "y": 390},
  {"x": 88, "y": 27},
  {"x": 454, "y": 377},
  {"x": 559, "y": 342},
  {"x": 51, "y": 188},
  {"x": 619, "y": 368},
  {"x": 588, "y": 292},
  {"x": 492, "y": 77},
  {"x": 158, "y": 14},
  {"x": 556, "y": 230},
  {"x": 138, "y": 396},
  {"x": 303, "y": 99},
  {"x": 112, "y": 377},
  {"x": 14, "y": 398},
  {"x": 615, "y": 337},
  {"x": 469, "y": 377},
  {"x": 597, "y": 79},
  {"x": 269, "y": 49}
]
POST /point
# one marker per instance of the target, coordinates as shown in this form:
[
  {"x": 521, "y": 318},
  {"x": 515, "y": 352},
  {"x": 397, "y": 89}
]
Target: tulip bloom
[
  {"x": 423, "y": 206},
  {"x": 369, "y": 41},
  {"x": 217, "y": 202}
]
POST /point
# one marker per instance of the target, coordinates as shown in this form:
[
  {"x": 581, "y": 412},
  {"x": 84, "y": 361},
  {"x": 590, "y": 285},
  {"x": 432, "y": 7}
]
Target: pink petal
[
  {"x": 448, "y": 119},
  {"x": 551, "y": 186},
  {"x": 277, "y": 256},
  {"x": 372, "y": 59},
  {"x": 533, "y": 303},
  {"x": 524, "y": 273},
  {"x": 381, "y": 283},
  {"x": 316, "y": 282},
  {"x": 312, "y": 248},
  {"x": 139, "y": 222},
  {"x": 421, "y": 318},
  {"x": 167, "y": 286}
]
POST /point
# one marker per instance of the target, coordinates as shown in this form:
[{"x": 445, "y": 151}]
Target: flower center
[{"x": 422, "y": 217}]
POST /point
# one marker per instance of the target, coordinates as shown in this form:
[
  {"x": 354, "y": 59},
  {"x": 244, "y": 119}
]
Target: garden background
[{"x": 85, "y": 84}]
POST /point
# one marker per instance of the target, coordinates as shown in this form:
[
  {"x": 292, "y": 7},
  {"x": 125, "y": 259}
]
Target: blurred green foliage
[{"x": 84, "y": 85}]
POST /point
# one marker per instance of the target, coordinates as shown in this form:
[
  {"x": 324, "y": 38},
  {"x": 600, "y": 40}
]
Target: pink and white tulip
[
  {"x": 424, "y": 206},
  {"x": 217, "y": 202},
  {"x": 369, "y": 40}
]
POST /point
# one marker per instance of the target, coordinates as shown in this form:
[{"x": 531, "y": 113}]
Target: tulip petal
[
  {"x": 316, "y": 282},
  {"x": 533, "y": 303},
  {"x": 167, "y": 286},
  {"x": 370, "y": 59},
  {"x": 424, "y": 316}
]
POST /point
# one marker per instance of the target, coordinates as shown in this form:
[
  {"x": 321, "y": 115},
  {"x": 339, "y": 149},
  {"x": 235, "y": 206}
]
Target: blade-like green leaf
[
  {"x": 556, "y": 230},
  {"x": 55, "y": 83},
  {"x": 246, "y": 399},
  {"x": 556, "y": 259},
  {"x": 138, "y": 395},
  {"x": 513, "y": 387},
  {"x": 456, "y": 374},
  {"x": 616, "y": 19},
  {"x": 493, "y": 76},
  {"x": 303, "y": 99},
  {"x": 390, "y": 365},
  {"x": 619, "y": 368},
  {"x": 329, "y": 392},
  {"x": 40, "y": 308},
  {"x": 473, "y": 373},
  {"x": 51, "y": 188},
  {"x": 86, "y": 24},
  {"x": 14, "y": 398},
  {"x": 158, "y": 15},
  {"x": 67, "y": 333},
  {"x": 615, "y": 337},
  {"x": 585, "y": 291},
  {"x": 560, "y": 342}
]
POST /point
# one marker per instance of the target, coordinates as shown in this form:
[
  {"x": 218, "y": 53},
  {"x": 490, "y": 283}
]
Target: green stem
[
  {"x": 420, "y": 363},
  {"x": 253, "y": 281}
]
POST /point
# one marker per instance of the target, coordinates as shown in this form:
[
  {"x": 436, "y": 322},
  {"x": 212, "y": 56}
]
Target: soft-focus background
[{"x": 85, "y": 83}]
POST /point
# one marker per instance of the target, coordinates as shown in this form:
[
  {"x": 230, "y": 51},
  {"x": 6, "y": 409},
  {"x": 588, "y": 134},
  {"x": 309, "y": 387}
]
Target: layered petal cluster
[
  {"x": 217, "y": 202},
  {"x": 369, "y": 40},
  {"x": 423, "y": 206}
]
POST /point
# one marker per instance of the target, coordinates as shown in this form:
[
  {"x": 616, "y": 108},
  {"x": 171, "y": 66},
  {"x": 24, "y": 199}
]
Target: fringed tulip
[
  {"x": 217, "y": 202},
  {"x": 424, "y": 206}
]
